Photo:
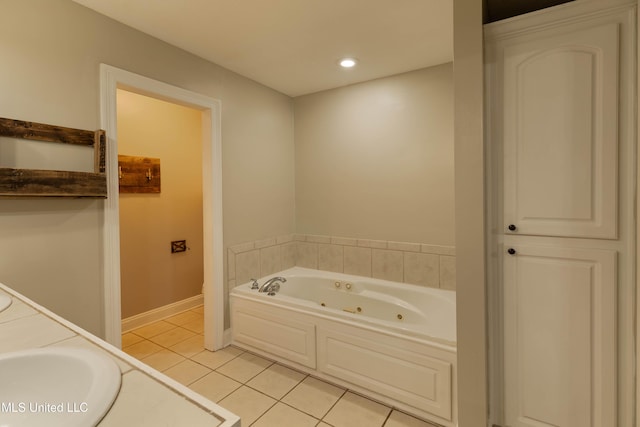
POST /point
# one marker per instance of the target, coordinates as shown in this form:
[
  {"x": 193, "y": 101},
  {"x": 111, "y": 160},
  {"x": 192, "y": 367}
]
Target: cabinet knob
[
  {"x": 511, "y": 251},
  {"x": 512, "y": 227}
]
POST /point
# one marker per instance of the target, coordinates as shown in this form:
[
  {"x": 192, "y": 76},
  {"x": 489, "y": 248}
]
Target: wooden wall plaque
[
  {"x": 138, "y": 174},
  {"x": 51, "y": 183}
]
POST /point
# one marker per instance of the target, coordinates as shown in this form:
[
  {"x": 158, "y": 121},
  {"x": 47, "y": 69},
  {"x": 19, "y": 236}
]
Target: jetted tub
[{"x": 392, "y": 341}]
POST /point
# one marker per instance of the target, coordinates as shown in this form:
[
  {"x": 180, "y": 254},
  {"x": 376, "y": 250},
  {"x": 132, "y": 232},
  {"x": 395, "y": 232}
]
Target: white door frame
[{"x": 112, "y": 78}]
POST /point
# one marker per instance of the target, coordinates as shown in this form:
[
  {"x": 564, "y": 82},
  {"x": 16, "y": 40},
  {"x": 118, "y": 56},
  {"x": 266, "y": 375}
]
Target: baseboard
[{"x": 159, "y": 313}]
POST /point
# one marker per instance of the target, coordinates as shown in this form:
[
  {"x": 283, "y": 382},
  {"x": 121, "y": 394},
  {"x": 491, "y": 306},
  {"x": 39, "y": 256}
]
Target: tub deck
[{"x": 412, "y": 310}]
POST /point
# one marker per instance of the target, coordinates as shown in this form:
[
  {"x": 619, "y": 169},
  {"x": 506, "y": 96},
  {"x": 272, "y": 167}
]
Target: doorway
[
  {"x": 112, "y": 79},
  {"x": 160, "y": 202}
]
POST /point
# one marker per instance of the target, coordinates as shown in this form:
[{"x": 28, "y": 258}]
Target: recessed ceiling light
[{"x": 348, "y": 62}]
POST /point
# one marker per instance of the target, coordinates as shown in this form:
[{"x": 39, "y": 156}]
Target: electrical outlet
[{"x": 178, "y": 246}]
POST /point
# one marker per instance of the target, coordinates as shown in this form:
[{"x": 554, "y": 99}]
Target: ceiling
[{"x": 294, "y": 46}]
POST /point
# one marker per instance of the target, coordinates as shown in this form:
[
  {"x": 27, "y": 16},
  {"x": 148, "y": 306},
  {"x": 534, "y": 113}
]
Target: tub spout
[{"x": 270, "y": 284}]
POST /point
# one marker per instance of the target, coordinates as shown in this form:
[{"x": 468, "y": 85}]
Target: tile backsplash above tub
[{"x": 414, "y": 263}]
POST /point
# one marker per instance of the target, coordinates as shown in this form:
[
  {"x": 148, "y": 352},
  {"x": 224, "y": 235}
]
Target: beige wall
[
  {"x": 151, "y": 276},
  {"x": 51, "y": 250},
  {"x": 375, "y": 160},
  {"x": 469, "y": 194}
]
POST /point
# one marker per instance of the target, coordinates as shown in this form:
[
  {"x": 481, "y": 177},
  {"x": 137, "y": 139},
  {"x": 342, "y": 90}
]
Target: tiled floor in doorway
[{"x": 262, "y": 392}]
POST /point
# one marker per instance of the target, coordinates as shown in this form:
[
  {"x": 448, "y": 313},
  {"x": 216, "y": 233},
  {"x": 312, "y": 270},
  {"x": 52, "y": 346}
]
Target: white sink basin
[
  {"x": 5, "y": 302},
  {"x": 56, "y": 387}
]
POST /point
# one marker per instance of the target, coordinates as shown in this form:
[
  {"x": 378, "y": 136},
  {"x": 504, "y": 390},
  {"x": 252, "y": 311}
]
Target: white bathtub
[{"x": 392, "y": 341}]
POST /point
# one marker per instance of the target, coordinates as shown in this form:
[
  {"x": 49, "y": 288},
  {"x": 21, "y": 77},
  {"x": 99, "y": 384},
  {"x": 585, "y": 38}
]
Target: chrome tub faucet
[{"x": 271, "y": 286}]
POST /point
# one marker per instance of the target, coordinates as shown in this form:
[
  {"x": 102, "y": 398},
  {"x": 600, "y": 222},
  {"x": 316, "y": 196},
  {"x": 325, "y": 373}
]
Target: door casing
[{"x": 111, "y": 79}]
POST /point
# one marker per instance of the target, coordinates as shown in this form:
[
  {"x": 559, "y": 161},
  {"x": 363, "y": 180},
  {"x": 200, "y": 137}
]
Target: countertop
[{"x": 146, "y": 397}]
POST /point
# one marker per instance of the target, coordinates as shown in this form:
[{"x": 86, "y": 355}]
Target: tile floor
[{"x": 263, "y": 393}]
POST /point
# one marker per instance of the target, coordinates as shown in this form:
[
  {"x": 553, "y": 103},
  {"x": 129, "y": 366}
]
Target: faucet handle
[
  {"x": 273, "y": 289},
  {"x": 255, "y": 284}
]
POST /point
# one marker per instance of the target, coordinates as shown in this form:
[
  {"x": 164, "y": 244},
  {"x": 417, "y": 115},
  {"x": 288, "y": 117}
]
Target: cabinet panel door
[
  {"x": 560, "y": 133},
  {"x": 559, "y": 337},
  {"x": 275, "y": 332},
  {"x": 411, "y": 375}
]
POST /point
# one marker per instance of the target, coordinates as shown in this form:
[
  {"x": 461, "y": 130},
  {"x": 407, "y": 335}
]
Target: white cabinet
[
  {"x": 561, "y": 161},
  {"x": 559, "y": 121},
  {"x": 559, "y": 310}
]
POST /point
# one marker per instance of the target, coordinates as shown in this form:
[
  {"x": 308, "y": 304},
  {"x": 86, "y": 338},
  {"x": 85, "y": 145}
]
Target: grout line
[
  {"x": 332, "y": 406},
  {"x": 300, "y": 410},
  {"x": 293, "y": 388},
  {"x": 216, "y": 369},
  {"x": 387, "y": 418},
  {"x": 231, "y": 392},
  {"x": 261, "y": 392},
  {"x": 268, "y": 409},
  {"x": 227, "y": 376},
  {"x": 199, "y": 378}
]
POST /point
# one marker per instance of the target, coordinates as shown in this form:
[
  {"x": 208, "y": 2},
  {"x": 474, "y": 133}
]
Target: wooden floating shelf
[{"x": 51, "y": 183}]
